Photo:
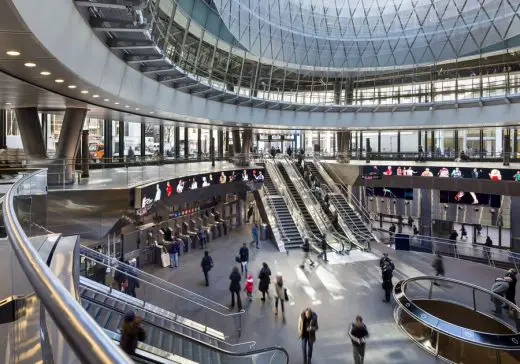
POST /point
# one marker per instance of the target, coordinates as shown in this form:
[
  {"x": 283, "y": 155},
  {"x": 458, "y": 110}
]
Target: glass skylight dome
[{"x": 370, "y": 33}]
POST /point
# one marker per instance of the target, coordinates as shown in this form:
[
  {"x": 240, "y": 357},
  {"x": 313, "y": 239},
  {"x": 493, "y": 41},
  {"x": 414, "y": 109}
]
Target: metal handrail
[
  {"x": 295, "y": 211},
  {"x": 83, "y": 334},
  {"x": 318, "y": 208},
  {"x": 471, "y": 336},
  {"x": 128, "y": 269}
]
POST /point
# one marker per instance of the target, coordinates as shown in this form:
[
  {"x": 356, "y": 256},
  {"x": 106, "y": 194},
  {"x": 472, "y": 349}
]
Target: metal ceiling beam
[
  {"x": 100, "y": 5},
  {"x": 174, "y": 79},
  {"x": 148, "y": 70},
  {"x": 145, "y": 59},
  {"x": 125, "y": 44},
  {"x": 114, "y": 25},
  {"x": 188, "y": 86}
]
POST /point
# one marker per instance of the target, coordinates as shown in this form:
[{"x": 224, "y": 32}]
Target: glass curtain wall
[
  {"x": 181, "y": 142},
  {"x": 409, "y": 141},
  {"x": 169, "y": 141},
  {"x": 132, "y": 139},
  {"x": 192, "y": 142},
  {"x": 96, "y": 133},
  {"x": 152, "y": 139}
]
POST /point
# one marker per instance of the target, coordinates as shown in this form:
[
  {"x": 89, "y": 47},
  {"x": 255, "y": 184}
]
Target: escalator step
[
  {"x": 103, "y": 317},
  {"x": 114, "y": 323}
]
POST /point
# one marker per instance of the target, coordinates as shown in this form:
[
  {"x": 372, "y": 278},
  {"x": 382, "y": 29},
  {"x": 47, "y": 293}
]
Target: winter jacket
[
  {"x": 438, "y": 265},
  {"x": 234, "y": 277},
  {"x": 244, "y": 254},
  {"x": 358, "y": 333},
  {"x": 249, "y": 283},
  {"x": 387, "y": 279},
  {"x": 307, "y": 327},
  {"x": 206, "y": 263},
  {"x": 511, "y": 290},
  {"x": 131, "y": 333},
  {"x": 500, "y": 287},
  {"x": 265, "y": 279},
  {"x": 279, "y": 289},
  {"x": 175, "y": 247},
  {"x": 306, "y": 247}
]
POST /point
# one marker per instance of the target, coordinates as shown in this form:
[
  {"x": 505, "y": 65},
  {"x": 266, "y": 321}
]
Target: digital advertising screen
[
  {"x": 168, "y": 189},
  {"x": 372, "y": 172},
  {"x": 404, "y": 193},
  {"x": 470, "y": 198}
]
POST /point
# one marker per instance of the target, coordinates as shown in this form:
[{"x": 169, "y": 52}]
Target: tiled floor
[{"x": 338, "y": 291}]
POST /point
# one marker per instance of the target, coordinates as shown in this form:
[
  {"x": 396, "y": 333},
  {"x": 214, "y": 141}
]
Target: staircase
[
  {"x": 160, "y": 332},
  {"x": 299, "y": 201}
]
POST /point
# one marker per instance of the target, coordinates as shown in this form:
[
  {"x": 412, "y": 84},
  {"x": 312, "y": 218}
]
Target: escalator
[
  {"x": 299, "y": 201},
  {"x": 168, "y": 339},
  {"x": 289, "y": 233}
]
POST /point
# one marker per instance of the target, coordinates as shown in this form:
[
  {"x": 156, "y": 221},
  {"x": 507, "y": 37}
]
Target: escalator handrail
[
  {"x": 86, "y": 338},
  {"x": 251, "y": 344},
  {"x": 330, "y": 228},
  {"x": 202, "y": 343},
  {"x": 293, "y": 207}
]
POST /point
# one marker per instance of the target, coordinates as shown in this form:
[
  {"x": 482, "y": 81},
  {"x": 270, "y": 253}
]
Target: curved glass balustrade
[{"x": 469, "y": 326}]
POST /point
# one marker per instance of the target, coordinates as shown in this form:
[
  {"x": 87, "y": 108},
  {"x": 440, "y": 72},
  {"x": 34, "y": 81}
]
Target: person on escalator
[{"x": 131, "y": 333}]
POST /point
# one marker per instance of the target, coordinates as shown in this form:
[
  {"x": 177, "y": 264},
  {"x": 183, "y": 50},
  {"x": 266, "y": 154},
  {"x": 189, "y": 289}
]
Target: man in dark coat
[
  {"x": 131, "y": 333},
  {"x": 387, "y": 281},
  {"x": 265, "y": 279},
  {"x": 358, "y": 333},
  {"x": 307, "y": 327},
  {"x": 511, "y": 290},
  {"x": 234, "y": 288},
  {"x": 206, "y": 264},
  {"x": 243, "y": 253},
  {"x": 438, "y": 265},
  {"x": 133, "y": 282},
  {"x": 323, "y": 244}
]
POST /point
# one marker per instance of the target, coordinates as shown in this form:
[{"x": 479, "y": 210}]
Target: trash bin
[{"x": 263, "y": 232}]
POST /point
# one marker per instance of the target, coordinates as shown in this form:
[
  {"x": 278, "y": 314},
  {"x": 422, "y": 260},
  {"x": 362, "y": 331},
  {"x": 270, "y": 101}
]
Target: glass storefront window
[
  {"x": 409, "y": 141},
  {"x": 151, "y": 139},
  {"x": 132, "y": 140},
  {"x": 444, "y": 143},
  {"x": 205, "y": 142},
  {"x": 96, "y": 141},
  {"x": 13, "y": 138},
  {"x": 192, "y": 142},
  {"x": 181, "y": 142},
  {"x": 169, "y": 140},
  {"x": 389, "y": 142}
]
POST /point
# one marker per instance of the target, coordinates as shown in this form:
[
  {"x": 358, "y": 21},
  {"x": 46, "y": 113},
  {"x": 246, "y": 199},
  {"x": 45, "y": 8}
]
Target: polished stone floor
[{"x": 337, "y": 291}]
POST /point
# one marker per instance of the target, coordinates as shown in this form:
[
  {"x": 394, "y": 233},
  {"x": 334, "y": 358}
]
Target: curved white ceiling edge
[{"x": 61, "y": 29}]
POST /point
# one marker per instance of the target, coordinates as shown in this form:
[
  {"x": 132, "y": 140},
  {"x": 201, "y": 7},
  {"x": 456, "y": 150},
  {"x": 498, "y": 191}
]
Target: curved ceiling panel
[{"x": 369, "y": 33}]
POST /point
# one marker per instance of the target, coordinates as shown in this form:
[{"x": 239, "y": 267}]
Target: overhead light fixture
[
  {"x": 106, "y": 100},
  {"x": 136, "y": 109},
  {"x": 151, "y": 112},
  {"x": 8, "y": 103},
  {"x": 45, "y": 73},
  {"x": 72, "y": 86},
  {"x": 84, "y": 91},
  {"x": 116, "y": 103},
  {"x": 59, "y": 80},
  {"x": 127, "y": 106},
  {"x": 13, "y": 53},
  {"x": 95, "y": 96},
  {"x": 30, "y": 64}
]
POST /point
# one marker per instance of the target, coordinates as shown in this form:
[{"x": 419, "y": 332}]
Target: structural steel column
[
  {"x": 211, "y": 144},
  {"x": 121, "y": 141},
  {"x": 161, "y": 140},
  {"x": 235, "y": 134},
  {"x": 337, "y": 92},
  {"x": 44, "y": 122},
  {"x": 30, "y": 132},
  {"x": 186, "y": 142},
  {"x": 85, "y": 155},
  {"x": 398, "y": 142},
  {"x": 220, "y": 135},
  {"x": 68, "y": 142},
  {"x": 344, "y": 146},
  {"x": 379, "y": 144},
  {"x": 3, "y": 129},
  {"x": 143, "y": 140},
  {"x": 107, "y": 127},
  {"x": 176, "y": 142},
  {"x": 199, "y": 143},
  {"x": 226, "y": 143},
  {"x": 247, "y": 138}
]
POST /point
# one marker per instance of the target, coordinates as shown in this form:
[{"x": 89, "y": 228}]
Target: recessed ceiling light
[
  {"x": 136, "y": 109},
  {"x": 151, "y": 112},
  {"x": 72, "y": 86},
  {"x": 127, "y": 106},
  {"x": 12, "y": 53},
  {"x": 106, "y": 100},
  {"x": 30, "y": 64},
  {"x": 84, "y": 92},
  {"x": 8, "y": 103},
  {"x": 45, "y": 73},
  {"x": 59, "y": 80},
  {"x": 116, "y": 103},
  {"x": 95, "y": 96}
]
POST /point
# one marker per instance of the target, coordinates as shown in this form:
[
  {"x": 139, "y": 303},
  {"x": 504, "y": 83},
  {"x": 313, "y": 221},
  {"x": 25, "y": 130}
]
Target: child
[{"x": 249, "y": 287}]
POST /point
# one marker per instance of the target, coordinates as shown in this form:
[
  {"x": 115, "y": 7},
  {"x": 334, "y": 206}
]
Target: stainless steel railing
[{"x": 86, "y": 338}]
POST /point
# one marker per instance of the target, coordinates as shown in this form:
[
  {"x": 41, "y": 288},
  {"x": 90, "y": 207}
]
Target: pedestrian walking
[
  {"x": 131, "y": 333},
  {"x": 279, "y": 294},
  {"x": 487, "y": 247},
  {"x": 248, "y": 287},
  {"x": 206, "y": 264},
  {"x": 202, "y": 238},
  {"x": 358, "y": 334},
  {"x": 463, "y": 233},
  {"x": 307, "y": 327},
  {"x": 391, "y": 232},
  {"x": 306, "y": 248},
  {"x": 387, "y": 281},
  {"x": 243, "y": 254},
  {"x": 255, "y": 232},
  {"x": 265, "y": 279},
  {"x": 438, "y": 265},
  {"x": 453, "y": 236},
  {"x": 234, "y": 288},
  {"x": 386, "y": 259},
  {"x": 250, "y": 212},
  {"x": 175, "y": 248},
  {"x": 132, "y": 282},
  {"x": 323, "y": 244}
]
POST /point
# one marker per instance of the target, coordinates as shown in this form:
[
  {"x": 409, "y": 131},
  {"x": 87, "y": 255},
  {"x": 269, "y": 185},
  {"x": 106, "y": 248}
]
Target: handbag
[
  {"x": 165, "y": 258},
  {"x": 286, "y": 296},
  {"x": 237, "y": 259}
]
